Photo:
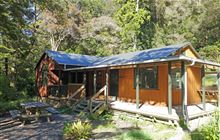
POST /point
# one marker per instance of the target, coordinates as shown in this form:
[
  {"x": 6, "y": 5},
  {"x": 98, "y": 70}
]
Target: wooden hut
[{"x": 161, "y": 77}]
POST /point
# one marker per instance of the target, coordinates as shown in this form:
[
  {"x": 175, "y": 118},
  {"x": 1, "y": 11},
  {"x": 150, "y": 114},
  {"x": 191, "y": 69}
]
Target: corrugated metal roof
[
  {"x": 139, "y": 56},
  {"x": 72, "y": 59}
]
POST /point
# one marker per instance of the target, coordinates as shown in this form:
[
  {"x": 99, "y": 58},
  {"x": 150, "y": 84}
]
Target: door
[{"x": 114, "y": 82}]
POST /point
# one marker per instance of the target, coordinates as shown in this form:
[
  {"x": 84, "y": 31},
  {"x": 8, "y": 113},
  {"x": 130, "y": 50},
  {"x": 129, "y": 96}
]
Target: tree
[
  {"x": 58, "y": 20},
  {"x": 211, "y": 52},
  {"x": 131, "y": 21},
  {"x": 208, "y": 32}
]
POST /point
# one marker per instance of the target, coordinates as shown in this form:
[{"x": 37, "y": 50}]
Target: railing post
[{"x": 90, "y": 105}]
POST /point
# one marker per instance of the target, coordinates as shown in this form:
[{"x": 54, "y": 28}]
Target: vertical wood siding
[
  {"x": 53, "y": 79},
  {"x": 159, "y": 96},
  {"x": 150, "y": 96},
  {"x": 194, "y": 84}
]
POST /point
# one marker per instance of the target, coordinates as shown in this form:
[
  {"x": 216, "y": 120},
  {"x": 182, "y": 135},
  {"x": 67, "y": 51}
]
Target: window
[
  {"x": 76, "y": 77},
  {"x": 148, "y": 77},
  {"x": 176, "y": 78}
]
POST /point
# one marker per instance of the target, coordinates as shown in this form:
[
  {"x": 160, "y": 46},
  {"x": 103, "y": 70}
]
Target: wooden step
[
  {"x": 9, "y": 125},
  {"x": 80, "y": 107}
]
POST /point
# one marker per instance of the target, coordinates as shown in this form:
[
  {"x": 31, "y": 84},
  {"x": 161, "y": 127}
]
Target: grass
[
  {"x": 108, "y": 125},
  {"x": 135, "y": 135},
  {"x": 210, "y": 80}
]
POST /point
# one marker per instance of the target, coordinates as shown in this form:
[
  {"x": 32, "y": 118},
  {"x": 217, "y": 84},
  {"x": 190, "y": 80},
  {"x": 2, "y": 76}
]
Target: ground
[
  {"x": 40, "y": 130},
  {"x": 118, "y": 127}
]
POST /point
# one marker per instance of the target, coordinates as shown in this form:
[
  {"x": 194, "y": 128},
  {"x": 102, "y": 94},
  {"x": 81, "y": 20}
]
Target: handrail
[
  {"x": 99, "y": 92},
  {"x": 100, "y": 104},
  {"x": 76, "y": 92},
  {"x": 94, "y": 96}
]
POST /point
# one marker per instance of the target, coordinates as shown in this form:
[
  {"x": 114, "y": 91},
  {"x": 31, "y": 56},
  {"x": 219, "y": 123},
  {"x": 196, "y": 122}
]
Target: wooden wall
[
  {"x": 53, "y": 79},
  {"x": 159, "y": 96},
  {"x": 194, "y": 84},
  {"x": 150, "y": 96}
]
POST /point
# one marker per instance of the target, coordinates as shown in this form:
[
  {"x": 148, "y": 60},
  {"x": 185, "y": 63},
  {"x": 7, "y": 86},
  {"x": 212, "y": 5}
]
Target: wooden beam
[
  {"x": 84, "y": 78},
  {"x": 59, "y": 81},
  {"x": 219, "y": 101},
  {"x": 219, "y": 90},
  {"x": 94, "y": 83},
  {"x": 203, "y": 88},
  {"x": 184, "y": 89},
  {"x": 76, "y": 79},
  {"x": 106, "y": 83},
  {"x": 94, "y": 92},
  {"x": 169, "y": 88},
  {"x": 137, "y": 87},
  {"x": 69, "y": 77}
]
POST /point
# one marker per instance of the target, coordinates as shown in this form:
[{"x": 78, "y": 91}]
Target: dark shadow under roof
[{"x": 139, "y": 56}]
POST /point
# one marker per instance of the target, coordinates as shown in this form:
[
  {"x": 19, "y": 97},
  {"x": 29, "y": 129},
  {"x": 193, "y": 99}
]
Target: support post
[
  {"x": 106, "y": 90},
  {"x": 203, "y": 88},
  {"x": 218, "y": 102},
  {"x": 169, "y": 88},
  {"x": 219, "y": 90},
  {"x": 137, "y": 87},
  {"x": 184, "y": 91},
  {"x": 59, "y": 82},
  {"x": 94, "y": 83},
  {"x": 94, "y": 91},
  {"x": 76, "y": 79},
  {"x": 69, "y": 77},
  {"x": 84, "y": 81}
]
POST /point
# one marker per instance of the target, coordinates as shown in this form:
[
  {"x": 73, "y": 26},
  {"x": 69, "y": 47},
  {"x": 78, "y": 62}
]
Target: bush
[
  {"x": 77, "y": 130},
  {"x": 208, "y": 131}
]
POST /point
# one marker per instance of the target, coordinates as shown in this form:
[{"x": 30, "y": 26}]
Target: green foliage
[
  {"x": 13, "y": 101},
  {"x": 135, "y": 135},
  {"x": 211, "y": 52},
  {"x": 104, "y": 116},
  {"x": 77, "y": 130},
  {"x": 183, "y": 124},
  {"x": 130, "y": 20},
  {"x": 209, "y": 131}
]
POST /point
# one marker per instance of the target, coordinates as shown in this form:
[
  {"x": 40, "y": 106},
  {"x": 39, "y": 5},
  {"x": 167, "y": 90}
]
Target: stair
[{"x": 83, "y": 106}]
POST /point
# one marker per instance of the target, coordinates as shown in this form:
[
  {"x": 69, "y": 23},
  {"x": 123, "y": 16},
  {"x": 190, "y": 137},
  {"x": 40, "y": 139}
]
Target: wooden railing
[
  {"x": 80, "y": 90},
  {"x": 72, "y": 94},
  {"x": 94, "y": 96}
]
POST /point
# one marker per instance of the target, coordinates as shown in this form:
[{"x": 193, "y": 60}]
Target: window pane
[
  {"x": 148, "y": 78},
  {"x": 176, "y": 77}
]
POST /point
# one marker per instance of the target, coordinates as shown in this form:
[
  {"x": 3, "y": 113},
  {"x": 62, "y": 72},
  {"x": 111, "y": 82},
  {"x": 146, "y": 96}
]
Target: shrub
[
  {"x": 77, "y": 130},
  {"x": 208, "y": 131}
]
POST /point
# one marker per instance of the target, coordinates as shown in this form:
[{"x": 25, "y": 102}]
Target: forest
[{"x": 97, "y": 27}]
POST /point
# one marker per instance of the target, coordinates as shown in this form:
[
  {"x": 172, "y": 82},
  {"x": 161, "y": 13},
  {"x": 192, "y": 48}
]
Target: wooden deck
[{"x": 161, "y": 112}]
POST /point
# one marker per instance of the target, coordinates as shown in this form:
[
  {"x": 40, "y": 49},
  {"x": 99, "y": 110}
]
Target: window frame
[{"x": 145, "y": 88}]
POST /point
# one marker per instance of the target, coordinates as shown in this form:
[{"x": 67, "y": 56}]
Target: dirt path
[{"x": 37, "y": 131}]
